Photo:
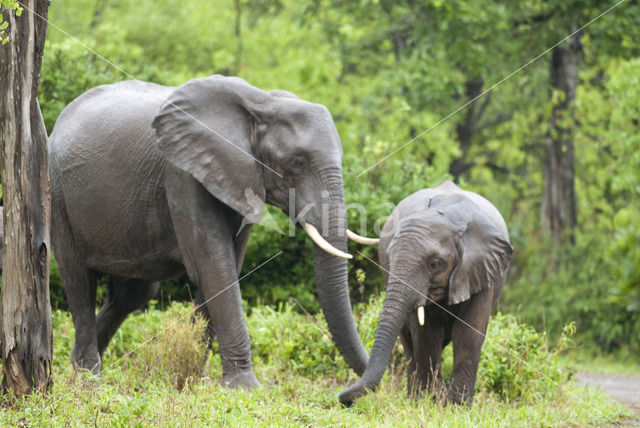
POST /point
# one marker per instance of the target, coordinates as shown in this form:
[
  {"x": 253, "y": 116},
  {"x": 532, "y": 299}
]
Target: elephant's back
[
  {"x": 104, "y": 133},
  {"x": 447, "y": 188},
  {"x": 108, "y": 174},
  {"x": 105, "y": 116}
]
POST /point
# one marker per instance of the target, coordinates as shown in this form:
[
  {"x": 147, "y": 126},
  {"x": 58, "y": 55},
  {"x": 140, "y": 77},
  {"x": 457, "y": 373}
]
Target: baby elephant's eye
[{"x": 298, "y": 163}]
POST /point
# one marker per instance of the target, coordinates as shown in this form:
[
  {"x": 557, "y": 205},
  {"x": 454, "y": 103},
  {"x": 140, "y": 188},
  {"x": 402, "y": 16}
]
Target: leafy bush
[
  {"x": 517, "y": 361},
  {"x": 582, "y": 283},
  {"x": 125, "y": 396},
  {"x": 68, "y": 70},
  {"x": 625, "y": 249},
  {"x": 293, "y": 342},
  {"x": 302, "y": 343}
]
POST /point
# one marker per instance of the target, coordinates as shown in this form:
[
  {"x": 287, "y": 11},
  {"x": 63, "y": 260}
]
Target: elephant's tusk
[
  {"x": 322, "y": 243},
  {"x": 421, "y": 315},
  {"x": 361, "y": 239}
]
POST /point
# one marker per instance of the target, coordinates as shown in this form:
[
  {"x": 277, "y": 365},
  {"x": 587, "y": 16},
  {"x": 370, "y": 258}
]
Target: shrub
[
  {"x": 68, "y": 70},
  {"x": 516, "y": 360},
  {"x": 176, "y": 352},
  {"x": 294, "y": 341},
  {"x": 590, "y": 283},
  {"x": 302, "y": 342}
]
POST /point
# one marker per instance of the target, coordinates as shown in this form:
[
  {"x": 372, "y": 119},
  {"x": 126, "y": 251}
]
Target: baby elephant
[{"x": 444, "y": 254}]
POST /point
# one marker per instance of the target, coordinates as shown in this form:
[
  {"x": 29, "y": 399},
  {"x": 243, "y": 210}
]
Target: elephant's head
[
  {"x": 441, "y": 250},
  {"x": 247, "y": 147}
]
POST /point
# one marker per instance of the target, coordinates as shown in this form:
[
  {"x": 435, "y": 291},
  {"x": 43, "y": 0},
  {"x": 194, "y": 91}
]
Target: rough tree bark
[
  {"x": 559, "y": 204},
  {"x": 465, "y": 129},
  {"x": 25, "y": 310}
]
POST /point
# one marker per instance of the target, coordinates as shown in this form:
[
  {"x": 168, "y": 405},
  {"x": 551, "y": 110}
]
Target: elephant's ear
[
  {"x": 207, "y": 127},
  {"x": 484, "y": 252}
]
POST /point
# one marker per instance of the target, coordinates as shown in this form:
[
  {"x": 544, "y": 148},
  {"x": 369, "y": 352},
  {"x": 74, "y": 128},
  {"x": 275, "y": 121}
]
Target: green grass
[
  {"x": 622, "y": 361},
  {"x": 521, "y": 382}
]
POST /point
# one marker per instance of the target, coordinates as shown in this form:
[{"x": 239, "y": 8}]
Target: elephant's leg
[
  {"x": 80, "y": 287},
  {"x": 123, "y": 297},
  {"x": 205, "y": 236},
  {"x": 240, "y": 244},
  {"x": 467, "y": 338},
  {"x": 427, "y": 344},
  {"x": 210, "y": 333},
  {"x": 407, "y": 344}
]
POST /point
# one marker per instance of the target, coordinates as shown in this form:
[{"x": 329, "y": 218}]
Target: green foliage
[
  {"x": 68, "y": 70},
  {"x": 267, "y": 285},
  {"x": 624, "y": 139},
  {"x": 7, "y": 5},
  {"x": 517, "y": 362},
  {"x": 577, "y": 283},
  {"x": 284, "y": 337},
  {"x": 625, "y": 248},
  {"x": 301, "y": 343},
  {"x": 300, "y": 396},
  {"x": 388, "y": 71},
  {"x": 597, "y": 281},
  {"x": 56, "y": 289}
]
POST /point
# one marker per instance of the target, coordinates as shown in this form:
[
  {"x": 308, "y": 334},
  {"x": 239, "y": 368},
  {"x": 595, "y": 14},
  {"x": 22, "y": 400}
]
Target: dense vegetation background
[{"x": 388, "y": 71}]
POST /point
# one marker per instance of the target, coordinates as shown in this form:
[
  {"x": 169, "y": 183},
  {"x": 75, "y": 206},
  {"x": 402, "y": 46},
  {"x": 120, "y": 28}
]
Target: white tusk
[
  {"x": 322, "y": 243},
  {"x": 421, "y": 315},
  {"x": 361, "y": 239}
]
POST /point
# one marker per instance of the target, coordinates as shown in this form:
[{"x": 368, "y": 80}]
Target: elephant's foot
[
  {"x": 460, "y": 396},
  {"x": 88, "y": 359},
  {"x": 244, "y": 378}
]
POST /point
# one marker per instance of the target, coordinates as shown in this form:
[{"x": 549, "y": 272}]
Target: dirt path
[{"x": 624, "y": 388}]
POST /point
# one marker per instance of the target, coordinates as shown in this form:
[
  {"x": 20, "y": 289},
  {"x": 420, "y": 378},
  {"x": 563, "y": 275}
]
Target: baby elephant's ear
[{"x": 484, "y": 254}]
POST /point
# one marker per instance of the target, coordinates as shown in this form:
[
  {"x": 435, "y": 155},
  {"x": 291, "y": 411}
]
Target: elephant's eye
[
  {"x": 298, "y": 163},
  {"x": 435, "y": 265}
]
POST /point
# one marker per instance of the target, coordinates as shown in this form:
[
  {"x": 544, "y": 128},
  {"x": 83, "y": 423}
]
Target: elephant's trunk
[
  {"x": 331, "y": 278},
  {"x": 394, "y": 316}
]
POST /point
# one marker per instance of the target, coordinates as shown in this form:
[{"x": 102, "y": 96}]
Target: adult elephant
[
  {"x": 448, "y": 250},
  {"x": 149, "y": 181}
]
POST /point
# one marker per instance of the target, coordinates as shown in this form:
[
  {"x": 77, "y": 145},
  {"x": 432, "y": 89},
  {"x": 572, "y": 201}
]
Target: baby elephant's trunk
[{"x": 394, "y": 316}]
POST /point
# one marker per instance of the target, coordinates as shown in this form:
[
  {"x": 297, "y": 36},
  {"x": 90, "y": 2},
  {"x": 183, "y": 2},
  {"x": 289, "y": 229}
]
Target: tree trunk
[
  {"x": 465, "y": 129},
  {"x": 559, "y": 205},
  {"x": 98, "y": 13},
  {"x": 25, "y": 311},
  {"x": 238, "y": 33}
]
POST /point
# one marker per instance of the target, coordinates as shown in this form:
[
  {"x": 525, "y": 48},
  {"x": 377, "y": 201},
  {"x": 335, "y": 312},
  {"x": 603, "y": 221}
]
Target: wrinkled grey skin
[
  {"x": 149, "y": 181},
  {"x": 451, "y": 247}
]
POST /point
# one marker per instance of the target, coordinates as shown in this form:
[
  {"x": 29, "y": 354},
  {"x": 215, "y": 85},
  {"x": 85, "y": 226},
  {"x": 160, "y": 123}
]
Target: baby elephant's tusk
[
  {"x": 421, "y": 315},
  {"x": 322, "y": 243},
  {"x": 361, "y": 239}
]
